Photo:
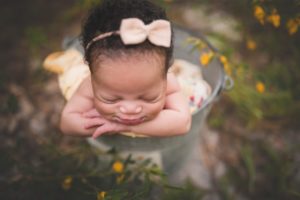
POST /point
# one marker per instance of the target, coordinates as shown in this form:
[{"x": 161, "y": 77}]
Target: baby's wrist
[
  {"x": 126, "y": 128},
  {"x": 130, "y": 128}
]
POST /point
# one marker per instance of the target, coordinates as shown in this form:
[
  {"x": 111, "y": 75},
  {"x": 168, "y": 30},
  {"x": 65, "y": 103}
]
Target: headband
[{"x": 134, "y": 31}]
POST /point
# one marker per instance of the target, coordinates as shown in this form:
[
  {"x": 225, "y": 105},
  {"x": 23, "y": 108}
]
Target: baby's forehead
[
  {"x": 129, "y": 76},
  {"x": 153, "y": 58}
]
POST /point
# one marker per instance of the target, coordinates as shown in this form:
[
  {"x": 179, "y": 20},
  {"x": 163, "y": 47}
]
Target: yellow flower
[
  {"x": 205, "y": 58},
  {"x": 227, "y": 69},
  {"x": 259, "y": 14},
  {"x": 223, "y": 60},
  {"x": 67, "y": 183},
  {"x": 118, "y": 167},
  {"x": 292, "y": 26},
  {"x": 274, "y": 18},
  {"x": 260, "y": 87},
  {"x": 251, "y": 44},
  {"x": 101, "y": 195},
  {"x": 225, "y": 63}
]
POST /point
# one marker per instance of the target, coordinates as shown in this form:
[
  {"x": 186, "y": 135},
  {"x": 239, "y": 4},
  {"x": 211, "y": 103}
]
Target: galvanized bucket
[{"x": 172, "y": 150}]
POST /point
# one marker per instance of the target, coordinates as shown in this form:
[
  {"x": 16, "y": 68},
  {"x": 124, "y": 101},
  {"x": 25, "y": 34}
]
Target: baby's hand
[
  {"x": 95, "y": 120},
  {"x": 91, "y": 113},
  {"x": 92, "y": 119},
  {"x": 108, "y": 127}
]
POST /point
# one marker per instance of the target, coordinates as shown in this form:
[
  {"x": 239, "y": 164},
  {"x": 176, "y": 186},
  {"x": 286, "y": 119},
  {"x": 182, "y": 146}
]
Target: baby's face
[{"x": 130, "y": 90}]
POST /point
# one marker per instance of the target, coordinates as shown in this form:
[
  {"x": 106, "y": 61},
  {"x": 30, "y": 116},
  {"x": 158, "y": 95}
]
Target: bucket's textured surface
[{"x": 173, "y": 151}]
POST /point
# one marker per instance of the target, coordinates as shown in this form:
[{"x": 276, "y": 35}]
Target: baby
[{"x": 128, "y": 48}]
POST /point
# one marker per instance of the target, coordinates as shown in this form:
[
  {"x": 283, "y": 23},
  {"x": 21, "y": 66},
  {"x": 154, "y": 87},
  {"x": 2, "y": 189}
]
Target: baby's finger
[
  {"x": 92, "y": 113},
  {"x": 93, "y": 122},
  {"x": 101, "y": 130}
]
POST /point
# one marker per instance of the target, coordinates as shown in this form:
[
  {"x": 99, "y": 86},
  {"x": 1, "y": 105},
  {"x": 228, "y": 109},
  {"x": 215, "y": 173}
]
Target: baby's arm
[
  {"x": 174, "y": 119},
  {"x": 74, "y": 117}
]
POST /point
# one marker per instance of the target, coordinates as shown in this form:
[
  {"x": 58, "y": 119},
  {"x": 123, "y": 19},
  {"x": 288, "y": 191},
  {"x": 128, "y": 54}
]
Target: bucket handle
[{"x": 228, "y": 83}]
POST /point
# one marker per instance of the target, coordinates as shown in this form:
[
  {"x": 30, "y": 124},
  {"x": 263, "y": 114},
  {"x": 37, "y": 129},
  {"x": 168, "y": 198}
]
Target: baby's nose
[{"x": 130, "y": 109}]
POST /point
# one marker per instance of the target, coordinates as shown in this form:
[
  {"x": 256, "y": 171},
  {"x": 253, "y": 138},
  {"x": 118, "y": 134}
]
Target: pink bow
[{"x": 134, "y": 31}]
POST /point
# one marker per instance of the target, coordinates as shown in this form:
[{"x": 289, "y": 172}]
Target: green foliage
[
  {"x": 279, "y": 73},
  {"x": 35, "y": 38},
  {"x": 268, "y": 172},
  {"x": 87, "y": 4},
  {"x": 82, "y": 172},
  {"x": 77, "y": 8},
  {"x": 9, "y": 104},
  {"x": 217, "y": 121},
  {"x": 247, "y": 157},
  {"x": 247, "y": 101},
  {"x": 188, "y": 192}
]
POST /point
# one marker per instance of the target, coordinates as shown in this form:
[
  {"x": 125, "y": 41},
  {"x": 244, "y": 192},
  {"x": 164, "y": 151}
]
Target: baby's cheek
[
  {"x": 104, "y": 109},
  {"x": 155, "y": 109}
]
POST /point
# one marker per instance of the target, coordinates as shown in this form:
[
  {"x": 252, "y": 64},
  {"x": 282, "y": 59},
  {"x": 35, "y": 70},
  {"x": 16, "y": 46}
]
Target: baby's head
[
  {"x": 128, "y": 77},
  {"x": 107, "y": 17}
]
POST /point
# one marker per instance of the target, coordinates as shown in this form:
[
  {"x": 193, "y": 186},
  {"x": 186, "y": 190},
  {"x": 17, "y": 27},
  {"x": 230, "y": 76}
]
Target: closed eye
[
  {"x": 108, "y": 101},
  {"x": 150, "y": 99}
]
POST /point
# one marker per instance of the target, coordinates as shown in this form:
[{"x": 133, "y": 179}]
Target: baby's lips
[{"x": 131, "y": 121}]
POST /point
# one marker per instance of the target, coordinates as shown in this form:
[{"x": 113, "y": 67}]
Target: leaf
[
  {"x": 129, "y": 160},
  {"x": 113, "y": 150},
  {"x": 146, "y": 162},
  {"x": 156, "y": 171},
  {"x": 247, "y": 156},
  {"x": 166, "y": 186}
]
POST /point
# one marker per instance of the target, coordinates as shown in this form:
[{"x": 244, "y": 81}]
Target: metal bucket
[{"x": 173, "y": 150}]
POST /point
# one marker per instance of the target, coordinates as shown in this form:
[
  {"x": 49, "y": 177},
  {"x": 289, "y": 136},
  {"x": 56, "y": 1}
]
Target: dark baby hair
[{"x": 107, "y": 17}]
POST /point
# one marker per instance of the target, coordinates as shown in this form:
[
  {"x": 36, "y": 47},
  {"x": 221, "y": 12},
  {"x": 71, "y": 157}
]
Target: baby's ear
[{"x": 59, "y": 62}]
